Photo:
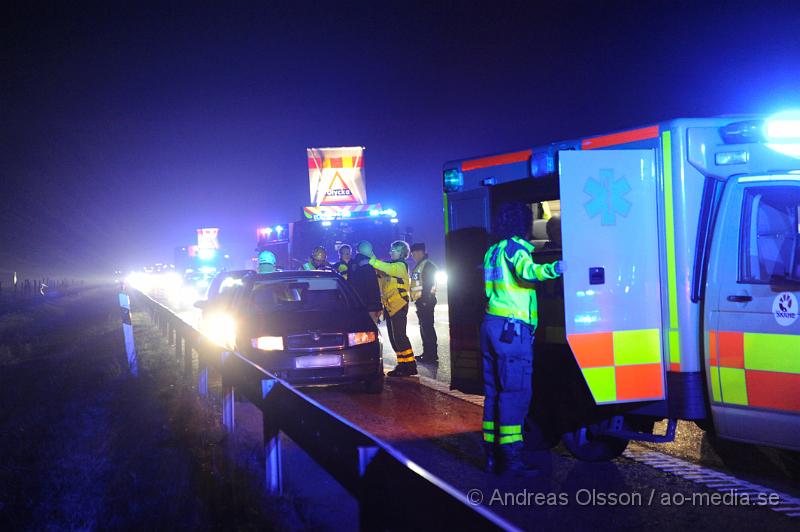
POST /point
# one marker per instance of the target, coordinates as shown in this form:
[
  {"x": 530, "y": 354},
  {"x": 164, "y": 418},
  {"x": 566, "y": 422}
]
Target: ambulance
[{"x": 681, "y": 241}]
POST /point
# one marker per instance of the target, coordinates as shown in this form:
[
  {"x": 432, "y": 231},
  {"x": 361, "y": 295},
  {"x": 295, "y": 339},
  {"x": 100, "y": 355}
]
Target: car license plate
[{"x": 318, "y": 361}]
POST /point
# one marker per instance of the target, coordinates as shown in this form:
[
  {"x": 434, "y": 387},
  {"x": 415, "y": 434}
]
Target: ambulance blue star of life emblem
[{"x": 607, "y": 197}]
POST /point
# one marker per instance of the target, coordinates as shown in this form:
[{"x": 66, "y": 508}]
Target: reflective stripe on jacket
[
  {"x": 394, "y": 282},
  {"x": 509, "y": 274}
]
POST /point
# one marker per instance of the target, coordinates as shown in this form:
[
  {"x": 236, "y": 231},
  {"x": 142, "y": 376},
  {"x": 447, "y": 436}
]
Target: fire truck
[
  {"x": 681, "y": 241},
  {"x": 339, "y": 213},
  {"x": 330, "y": 227}
]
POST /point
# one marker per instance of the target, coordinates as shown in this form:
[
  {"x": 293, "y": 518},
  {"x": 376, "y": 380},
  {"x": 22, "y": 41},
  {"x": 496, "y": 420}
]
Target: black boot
[
  {"x": 403, "y": 369},
  {"x": 512, "y": 463}
]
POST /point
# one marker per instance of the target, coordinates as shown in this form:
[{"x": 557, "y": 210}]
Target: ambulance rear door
[{"x": 612, "y": 286}]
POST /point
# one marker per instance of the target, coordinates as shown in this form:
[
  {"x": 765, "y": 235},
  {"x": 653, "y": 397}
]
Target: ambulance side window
[{"x": 770, "y": 235}]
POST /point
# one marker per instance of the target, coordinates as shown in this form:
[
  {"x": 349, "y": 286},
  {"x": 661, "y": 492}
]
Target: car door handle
[{"x": 740, "y": 299}]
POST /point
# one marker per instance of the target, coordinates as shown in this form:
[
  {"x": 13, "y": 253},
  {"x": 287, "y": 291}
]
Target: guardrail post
[
  {"x": 370, "y": 511},
  {"x": 202, "y": 376},
  {"x": 272, "y": 445},
  {"x": 188, "y": 357},
  {"x": 178, "y": 345},
  {"x": 127, "y": 331},
  {"x": 228, "y": 396}
]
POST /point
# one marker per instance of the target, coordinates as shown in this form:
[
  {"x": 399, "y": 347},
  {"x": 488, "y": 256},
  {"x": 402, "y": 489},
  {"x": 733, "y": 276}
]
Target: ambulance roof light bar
[{"x": 783, "y": 127}]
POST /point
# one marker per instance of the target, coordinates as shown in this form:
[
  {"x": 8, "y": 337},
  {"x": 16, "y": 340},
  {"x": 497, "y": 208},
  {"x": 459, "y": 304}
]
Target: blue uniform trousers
[{"x": 507, "y": 369}]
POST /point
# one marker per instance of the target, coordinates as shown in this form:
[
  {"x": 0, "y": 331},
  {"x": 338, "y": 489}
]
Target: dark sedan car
[{"x": 308, "y": 327}]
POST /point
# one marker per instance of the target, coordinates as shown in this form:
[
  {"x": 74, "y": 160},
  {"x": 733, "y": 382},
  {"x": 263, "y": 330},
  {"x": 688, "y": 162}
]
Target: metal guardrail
[{"x": 393, "y": 492}]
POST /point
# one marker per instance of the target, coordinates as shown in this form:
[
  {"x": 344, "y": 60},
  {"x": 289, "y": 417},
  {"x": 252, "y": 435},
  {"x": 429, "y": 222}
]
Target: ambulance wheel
[
  {"x": 584, "y": 446},
  {"x": 374, "y": 385}
]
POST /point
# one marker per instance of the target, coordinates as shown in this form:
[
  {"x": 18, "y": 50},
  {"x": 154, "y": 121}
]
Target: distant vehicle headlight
[
  {"x": 268, "y": 343},
  {"x": 358, "y": 338}
]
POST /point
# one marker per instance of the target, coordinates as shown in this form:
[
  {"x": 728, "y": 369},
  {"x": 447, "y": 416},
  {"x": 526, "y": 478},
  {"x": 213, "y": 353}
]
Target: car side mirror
[{"x": 201, "y": 304}]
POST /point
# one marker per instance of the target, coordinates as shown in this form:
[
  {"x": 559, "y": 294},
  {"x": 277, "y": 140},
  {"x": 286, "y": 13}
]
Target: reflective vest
[
  {"x": 311, "y": 266},
  {"x": 416, "y": 280},
  {"x": 342, "y": 268},
  {"x": 509, "y": 274},
  {"x": 394, "y": 282}
]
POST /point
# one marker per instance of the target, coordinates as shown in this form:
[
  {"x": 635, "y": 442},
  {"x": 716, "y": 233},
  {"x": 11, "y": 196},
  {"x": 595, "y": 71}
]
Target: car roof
[{"x": 295, "y": 274}]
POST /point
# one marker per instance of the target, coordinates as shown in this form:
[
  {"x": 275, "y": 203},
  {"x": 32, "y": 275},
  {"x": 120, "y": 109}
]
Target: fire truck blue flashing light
[
  {"x": 206, "y": 253},
  {"x": 389, "y": 213},
  {"x": 394, "y": 220},
  {"x": 279, "y": 229},
  {"x": 326, "y": 223}
]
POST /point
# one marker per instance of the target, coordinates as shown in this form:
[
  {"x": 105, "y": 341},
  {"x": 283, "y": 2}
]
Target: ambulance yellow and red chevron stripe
[
  {"x": 755, "y": 369},
  {"x": 621, "y": 366}
]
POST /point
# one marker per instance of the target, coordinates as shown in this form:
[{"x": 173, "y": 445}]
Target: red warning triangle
[{"x": 338, "y": 192}]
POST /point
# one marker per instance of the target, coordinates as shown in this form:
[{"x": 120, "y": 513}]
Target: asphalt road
[{"x": 441, "y": 433}]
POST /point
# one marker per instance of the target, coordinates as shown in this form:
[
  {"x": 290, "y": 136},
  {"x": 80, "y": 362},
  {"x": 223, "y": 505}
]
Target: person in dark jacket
[
  {"x": 342, "y": 267},
  {"x": 423, "y": 293},
  {"x": 364, "y": 280}
]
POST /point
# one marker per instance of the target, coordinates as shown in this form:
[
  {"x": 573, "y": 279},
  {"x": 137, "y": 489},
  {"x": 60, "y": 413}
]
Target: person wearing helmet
[
  {"x": 393, "y": 280},
  {"x": 343, "y": 266},
  {"x": 318, "y": 260},
  {"x": 266, "y": 262},
  {"x": 364, "y": 280}
]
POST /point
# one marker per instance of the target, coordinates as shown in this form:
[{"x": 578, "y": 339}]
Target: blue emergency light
[
  {"x": 780, "y": 132},
  {"x": 206, "y": 253},
  {"x": 452, "y": 180}
]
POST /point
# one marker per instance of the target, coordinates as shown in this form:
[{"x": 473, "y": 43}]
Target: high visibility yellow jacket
[
  {"x": 393, "y": 280},
  {"x": 509, "y": 276}
]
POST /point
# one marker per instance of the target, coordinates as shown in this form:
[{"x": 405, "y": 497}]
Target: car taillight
[{"x": 357, "y": 338}]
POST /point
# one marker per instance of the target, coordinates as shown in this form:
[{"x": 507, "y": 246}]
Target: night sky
[{"x": 124, "y": 129}]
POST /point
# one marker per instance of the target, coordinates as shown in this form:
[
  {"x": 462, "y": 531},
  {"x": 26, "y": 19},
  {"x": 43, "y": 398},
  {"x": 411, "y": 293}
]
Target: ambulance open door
[
  {"x": 466, "y": 241},
  {"x": 612, "y": 286}
]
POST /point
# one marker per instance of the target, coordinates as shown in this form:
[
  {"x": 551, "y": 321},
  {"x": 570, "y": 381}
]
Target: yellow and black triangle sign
[{"x": 338, "y": 192}]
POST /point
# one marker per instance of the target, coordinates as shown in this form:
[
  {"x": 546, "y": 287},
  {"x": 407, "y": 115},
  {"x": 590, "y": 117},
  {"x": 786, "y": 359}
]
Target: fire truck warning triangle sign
[
  {"x": 336, "y": 176},
  {"x": 338, "y": 192}
]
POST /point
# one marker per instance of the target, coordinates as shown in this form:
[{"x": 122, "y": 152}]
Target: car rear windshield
[{"x": 325, "y": 294}]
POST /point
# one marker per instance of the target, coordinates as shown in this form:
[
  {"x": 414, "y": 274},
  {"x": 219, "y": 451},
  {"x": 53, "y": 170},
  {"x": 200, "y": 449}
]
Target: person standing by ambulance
[
  {"x": 393, "y": 279},
  {"x": 423, "y": 293},
  {"x": 507, "y": 334}
]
